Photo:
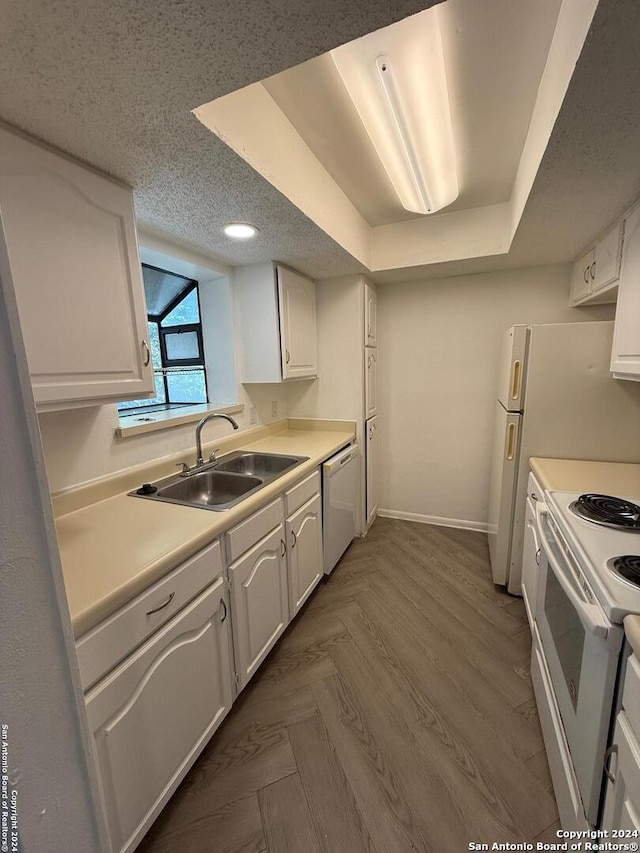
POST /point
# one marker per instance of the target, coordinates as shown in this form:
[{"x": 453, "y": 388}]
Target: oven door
[{"x": 581, "y": 648}]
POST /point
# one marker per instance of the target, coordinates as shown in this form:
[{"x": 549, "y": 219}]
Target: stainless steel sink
[
  {"x": 265, "y": 465},
  {"x": 223, "y": 483},
  {"x": 213, "y": 489}
]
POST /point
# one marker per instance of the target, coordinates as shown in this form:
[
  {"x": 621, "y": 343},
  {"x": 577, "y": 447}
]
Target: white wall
[{"x": 439, "y": 348}]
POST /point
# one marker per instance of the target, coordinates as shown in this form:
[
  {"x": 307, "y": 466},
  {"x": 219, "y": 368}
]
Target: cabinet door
[
  {"x": 371, "y": 363},
  {"x": 304, "y": 537},
  {"x": 372, "y": 469},
  {"x": 622, "y": 803},
  {"x": 298, "y": 333},
  {"x": 370, "y": 316},
  {"x": 259, "y": 602},
  {"x": 530, "y": 561},
  {"x": 625, "y": 354},
  {"x": 606, "y": 265},
  {"x": 73, "y": 253},
  {"x": 151, "y": 717},
  {"x": 582, "y": 277}
]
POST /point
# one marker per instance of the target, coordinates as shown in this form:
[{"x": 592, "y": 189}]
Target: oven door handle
[{"x": 590, "y": 615}]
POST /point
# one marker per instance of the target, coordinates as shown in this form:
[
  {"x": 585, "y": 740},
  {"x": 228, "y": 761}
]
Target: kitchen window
[{"x": 175, "y": 337}]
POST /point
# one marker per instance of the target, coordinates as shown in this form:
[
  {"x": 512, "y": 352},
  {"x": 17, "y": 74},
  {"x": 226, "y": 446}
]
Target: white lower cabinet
[
  {"x": 531, "y": 550},
  {"x": 153, "y": 714},
  {"x": 622, "y": 804},
  {"x": 304, "y": 538},
  {"x": 259, "y": 602}
]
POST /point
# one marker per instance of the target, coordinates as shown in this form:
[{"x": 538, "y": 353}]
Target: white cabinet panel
[
  {"x": 298, "y": 335},
  {"x": 152, "y": 715},
  {"x": 276, "y": 313},
  {"x": 370, "y": 316},
  {"x": 259, "y": 602},
  {"x": 606, "y": 269},
  {"x": 582, "y": 277},
  {"x": 622, "y": 803},
  {"x": 625, "y": 354},
  {"x": 73, "y": 253},
  {"x": 304, "y": 538},
  {"x": 371, "y": 365},
  {"x": 371, "y": 427}
]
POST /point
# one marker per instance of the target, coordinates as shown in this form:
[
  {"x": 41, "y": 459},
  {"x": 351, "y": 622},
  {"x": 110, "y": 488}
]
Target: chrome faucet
[{"x": 199, "y": 459}]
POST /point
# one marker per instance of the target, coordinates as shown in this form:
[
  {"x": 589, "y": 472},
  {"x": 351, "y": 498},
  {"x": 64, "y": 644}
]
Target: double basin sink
[{"x": 221, "y": 484}]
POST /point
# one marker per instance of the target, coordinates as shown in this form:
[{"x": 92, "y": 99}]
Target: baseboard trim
[{"x": 460, "y": 523}]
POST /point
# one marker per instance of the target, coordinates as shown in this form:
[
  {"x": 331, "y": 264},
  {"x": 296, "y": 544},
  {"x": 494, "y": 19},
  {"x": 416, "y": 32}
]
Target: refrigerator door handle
[
  {"x": 516, "y": 378},
  {"x": 512, "y": 432}
]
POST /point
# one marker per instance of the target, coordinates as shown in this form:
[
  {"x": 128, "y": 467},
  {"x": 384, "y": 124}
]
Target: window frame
[{"x": 167, "y": 363}]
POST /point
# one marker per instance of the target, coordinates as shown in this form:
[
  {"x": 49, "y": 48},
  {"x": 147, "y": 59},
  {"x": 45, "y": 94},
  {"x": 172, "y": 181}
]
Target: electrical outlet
[
  {"x": 253, "y": 417},
  {"x": 274, "y": 408}
]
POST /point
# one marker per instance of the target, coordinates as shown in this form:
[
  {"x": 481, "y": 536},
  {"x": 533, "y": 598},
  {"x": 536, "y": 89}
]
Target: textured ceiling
[{"x": 114, "y": 83}]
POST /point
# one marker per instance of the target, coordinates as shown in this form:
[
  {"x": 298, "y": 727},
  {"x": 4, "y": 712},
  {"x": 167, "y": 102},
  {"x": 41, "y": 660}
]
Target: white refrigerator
[{"x": 556, "y": 399}]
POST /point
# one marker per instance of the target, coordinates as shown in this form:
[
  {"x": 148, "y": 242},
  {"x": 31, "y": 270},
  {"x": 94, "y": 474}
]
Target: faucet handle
[
  {"x": 185, "y": 468},
  {"x": 212, "y": 455}
]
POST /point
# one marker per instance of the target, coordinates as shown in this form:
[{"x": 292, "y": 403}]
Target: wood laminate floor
[{"x": 396, "y": 714}]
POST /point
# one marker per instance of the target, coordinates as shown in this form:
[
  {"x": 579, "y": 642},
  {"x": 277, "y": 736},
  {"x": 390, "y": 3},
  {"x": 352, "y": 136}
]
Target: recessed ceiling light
[{"x": 240, "y": 230}]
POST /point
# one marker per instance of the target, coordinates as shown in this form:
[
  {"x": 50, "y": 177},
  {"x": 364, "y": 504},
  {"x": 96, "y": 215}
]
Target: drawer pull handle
[
  {"x": 162, "y": 606},
  {"x": 224, "y": 606}
]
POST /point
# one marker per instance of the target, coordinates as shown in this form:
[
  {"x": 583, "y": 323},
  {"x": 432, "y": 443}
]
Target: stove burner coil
[
  {"x": 628, "y": 567},
  {"x": 608, "y": 511}
]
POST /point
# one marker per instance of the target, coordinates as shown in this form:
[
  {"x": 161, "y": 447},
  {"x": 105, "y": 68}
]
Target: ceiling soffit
[{"x": 274, "y": 148}]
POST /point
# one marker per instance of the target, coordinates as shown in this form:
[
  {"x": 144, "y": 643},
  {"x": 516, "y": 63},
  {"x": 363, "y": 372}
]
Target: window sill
[{"x": 153, "y": 421}]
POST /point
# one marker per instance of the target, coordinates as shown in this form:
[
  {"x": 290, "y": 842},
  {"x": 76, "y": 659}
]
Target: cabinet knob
[
  {"x": 586, "y": 276},
  {"x": 147, "y": 353},
  {"x": 284, "y": 547},
  {"x": 294, "y": 538},
  {"x": 287, "y": 356},
  {"x": 592, "y": 270},
  {"x": 224, "y": 610},
  {"x": 613, "y": 750}
]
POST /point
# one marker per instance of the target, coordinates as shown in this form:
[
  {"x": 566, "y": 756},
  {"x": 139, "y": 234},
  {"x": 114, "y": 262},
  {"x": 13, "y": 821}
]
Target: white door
[
  {"x": 304, "y": 538},
  {"x": 371, "y": 364},
  {"x": 625, "y": 355},
  {"x": 530, "y": 561},
  {"x": 259, "y": 602},
  {"x": 370, "y": 316},
  {"x": 606, "y": 265},
  {"x": 73, "y": 252},
  {"x": 298, "y": 332},
  {"x": 582, "y": 277},
  {"x": 151, "y": 717},
  {"x": 502, "y": 493},
  {"x": 371, "y": 427}
]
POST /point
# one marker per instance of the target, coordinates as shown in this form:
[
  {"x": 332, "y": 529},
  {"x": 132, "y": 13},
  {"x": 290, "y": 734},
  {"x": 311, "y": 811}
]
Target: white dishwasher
[{"x": 339, "y": 500}]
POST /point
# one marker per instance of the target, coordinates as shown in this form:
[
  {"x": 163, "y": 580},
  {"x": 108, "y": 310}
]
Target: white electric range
[{"x": 582, "y": 597}]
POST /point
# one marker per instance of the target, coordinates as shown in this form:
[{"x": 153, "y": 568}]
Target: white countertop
[
  {"x": 114, "y": 548},
  {"x": 575, "y": 475}
]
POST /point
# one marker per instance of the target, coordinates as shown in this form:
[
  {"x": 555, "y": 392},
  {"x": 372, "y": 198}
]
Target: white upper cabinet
[
  {"x": 625, "y": 353},
  {"x": 595, "y": 275},
  {"x": 72, "y": 247},
  {"x": 276, "y": 311},
  {"x": 370, "y": 316}
]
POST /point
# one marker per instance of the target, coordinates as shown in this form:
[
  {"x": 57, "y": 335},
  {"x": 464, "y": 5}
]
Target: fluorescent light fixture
[
  {"x": 396, "y": 80},
  {"x": 240, "y": 230}
]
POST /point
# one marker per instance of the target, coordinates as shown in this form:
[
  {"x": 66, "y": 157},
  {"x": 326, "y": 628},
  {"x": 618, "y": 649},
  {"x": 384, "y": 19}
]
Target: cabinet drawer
[
  {"x": 631, "y": 693},
  {"x": 112, "y": 640},
  {"x": 534, "y": 489},
  {"x": 301, "y": 493},
  {"x": 245, "y": 535}
]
